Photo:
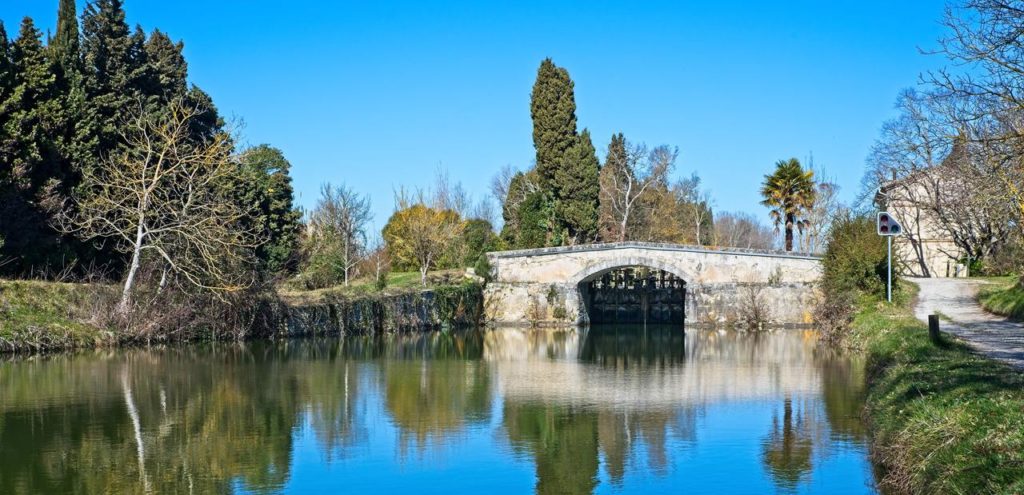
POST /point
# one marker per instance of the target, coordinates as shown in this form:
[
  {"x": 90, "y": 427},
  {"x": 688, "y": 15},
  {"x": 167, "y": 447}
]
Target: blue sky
[{"x": 378, "y": 94}]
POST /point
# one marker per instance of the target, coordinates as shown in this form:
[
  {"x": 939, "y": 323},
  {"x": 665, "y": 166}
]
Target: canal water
[{"x": 606, "y": 410}]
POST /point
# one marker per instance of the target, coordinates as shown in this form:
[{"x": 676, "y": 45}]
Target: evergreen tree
[
  {"x": 578, "y": 191},
  {"x": 524, "y": 213},
  {"x": 265, "y": 192},
  {"x": 65, "y": 45},
  {"x": 6, "y": 82},
  {"x": 6, "y": 86},
  {"x": 553, "y": 110},
  {"x": 166, "y": 77},
  {"x": 114, "y": 61},
  {"x": 28, "y": 151},
  {"x": 616, "y": 164}
]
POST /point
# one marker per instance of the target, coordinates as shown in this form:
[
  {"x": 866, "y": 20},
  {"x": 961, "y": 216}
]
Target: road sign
[{"x": 887, "y": 225}]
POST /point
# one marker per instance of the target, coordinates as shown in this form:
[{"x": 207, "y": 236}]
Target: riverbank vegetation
[
  {"x": 942, "y": 418},
  {"x": 1004, "y": 297}
]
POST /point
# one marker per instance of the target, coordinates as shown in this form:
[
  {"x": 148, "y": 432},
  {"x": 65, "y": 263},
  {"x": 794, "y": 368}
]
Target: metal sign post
[
  {"x": 888, "y": 283},
  {"x": 888, "y": 226}
]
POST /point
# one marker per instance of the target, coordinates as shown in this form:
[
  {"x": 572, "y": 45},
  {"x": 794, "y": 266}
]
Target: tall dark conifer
[
  {"x": 29, "y": 153},
  {"x": 168, "y": 72},
  {"x": 6, "y": 74},
  {"x": 578, "y": 190},
  {"x": 6, "y": 89},
  {"x": 114, "y": 65},
  {"x": 615, "y": 165},
  {"x": 567, "y": 167},
  {"x": 65, "y": 45},
  {"x": 553, "y": 110}
]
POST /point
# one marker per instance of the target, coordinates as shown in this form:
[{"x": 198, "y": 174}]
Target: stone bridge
[{"x": 654, "y": 282}]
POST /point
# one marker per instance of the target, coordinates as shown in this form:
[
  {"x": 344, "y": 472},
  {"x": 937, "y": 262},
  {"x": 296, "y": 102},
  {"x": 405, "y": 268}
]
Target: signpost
[{"x": 888, "y": 227}]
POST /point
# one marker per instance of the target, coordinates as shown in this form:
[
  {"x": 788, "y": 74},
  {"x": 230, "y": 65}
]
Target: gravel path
[{"x": 993, "y": 336}]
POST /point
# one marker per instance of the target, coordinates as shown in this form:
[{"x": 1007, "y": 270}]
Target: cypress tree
[
  {"x": 615, "y": 164},
  {"x": 28, "y": 151},
  {"x": 5, "y": 91},
  {"x": 114, "y": 64},
  {"x": 168, "y": 71},
  {"x": 6, "y": 88},
  {"x": 31, "y": 101},
  {"x": 578, "y": 191},
  {"x": 567, "y": 167},
  {"x": 65, "y": 44},
  {"x": 553, "y": 110},
  {"x": 6, "y": 73}
]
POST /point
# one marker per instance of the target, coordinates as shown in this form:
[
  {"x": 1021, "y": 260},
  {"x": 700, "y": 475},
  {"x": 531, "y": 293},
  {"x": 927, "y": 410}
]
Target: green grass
[
  {"x": 943, "y": 419},
  {"x": 1005, "y": 298},
  {"x": 37, "y": 315}
]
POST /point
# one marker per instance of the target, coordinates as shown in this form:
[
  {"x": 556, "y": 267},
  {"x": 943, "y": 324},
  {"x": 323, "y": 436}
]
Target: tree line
[{"x": 113, "y": 164}]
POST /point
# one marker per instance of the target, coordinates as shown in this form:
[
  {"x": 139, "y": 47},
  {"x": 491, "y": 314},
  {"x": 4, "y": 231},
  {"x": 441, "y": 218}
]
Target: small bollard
[{"x": 933, "y": 329}]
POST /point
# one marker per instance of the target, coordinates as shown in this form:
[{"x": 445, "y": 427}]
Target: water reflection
[{"x": 561, "y": 411}]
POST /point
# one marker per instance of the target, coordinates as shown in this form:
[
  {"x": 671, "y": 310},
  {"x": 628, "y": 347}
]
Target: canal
[{"x": 613, "y": 409}]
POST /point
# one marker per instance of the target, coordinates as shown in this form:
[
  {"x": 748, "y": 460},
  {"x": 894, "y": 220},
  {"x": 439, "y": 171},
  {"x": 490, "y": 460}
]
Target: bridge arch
[
  {"x": 597, "y": 269},
  {"x": 632, "y": 290}
]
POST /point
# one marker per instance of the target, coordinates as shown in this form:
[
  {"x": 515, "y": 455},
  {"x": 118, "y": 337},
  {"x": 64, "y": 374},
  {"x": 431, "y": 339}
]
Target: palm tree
[{"x": 789, "y": 192}]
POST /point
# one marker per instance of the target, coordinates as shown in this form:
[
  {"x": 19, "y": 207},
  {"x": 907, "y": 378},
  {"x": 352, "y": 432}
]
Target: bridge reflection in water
[
  {"x": 634, "y": 409},
  {"x": 697, "y": 367}
]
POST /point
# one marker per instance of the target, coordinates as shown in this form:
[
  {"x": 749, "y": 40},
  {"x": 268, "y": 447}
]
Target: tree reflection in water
[{"x": 582, "y": 405}]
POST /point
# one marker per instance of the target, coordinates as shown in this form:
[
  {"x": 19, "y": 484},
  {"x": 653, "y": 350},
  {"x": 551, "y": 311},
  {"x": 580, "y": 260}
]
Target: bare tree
[
  {"x": 696, "y": 204},
  {"x": 819, "y": 217},
  {"x": 623, "y": 186},
  {"x": 337, "y": 227},
  {"x": 448, "y": 195},
  {"x": 379, "y": 260},
  {"x": 501, "y": 181},
  {"x": 168, "y": 193},
  {"x": 985, "y": 36},
  {"x": 742, "y": 230},
  {"x": 915, "y": 141},
  {"x": 945, "y": 173}
]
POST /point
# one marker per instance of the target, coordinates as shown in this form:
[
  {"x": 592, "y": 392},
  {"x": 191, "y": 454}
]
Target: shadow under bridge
[{"x": 634, "y": 294}]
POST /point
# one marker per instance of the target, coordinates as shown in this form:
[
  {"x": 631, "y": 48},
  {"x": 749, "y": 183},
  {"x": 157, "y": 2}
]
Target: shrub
[
  {"x": 754, "y": 312},
  {"x": 854, "y": 264},
  {"x": 1006, "y": 261},
  {"x": 855, "y": 257},
  {"x": 482, "y": 268}
]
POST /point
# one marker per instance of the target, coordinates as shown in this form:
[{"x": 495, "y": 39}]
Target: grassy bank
[
  {"x": 944, "y": 420},
  {"x": 46, "y": 316},
  {"x": 37, "y": 316},
  {"x": 1005, "y": 297}
]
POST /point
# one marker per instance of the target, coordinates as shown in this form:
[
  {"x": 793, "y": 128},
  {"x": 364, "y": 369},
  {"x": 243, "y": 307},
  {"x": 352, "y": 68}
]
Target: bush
[
  {"x": 1006, "y": 261},
  {"x": 855, "y": 257},
  {"x": 854, "y": 265},
  {"x": 482, "y": 268},
  {"x": 754, "y": 312}
]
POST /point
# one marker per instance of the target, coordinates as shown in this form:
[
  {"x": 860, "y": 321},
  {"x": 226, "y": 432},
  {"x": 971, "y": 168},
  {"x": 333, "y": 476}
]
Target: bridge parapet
[{"x": 540, "y": 286}]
